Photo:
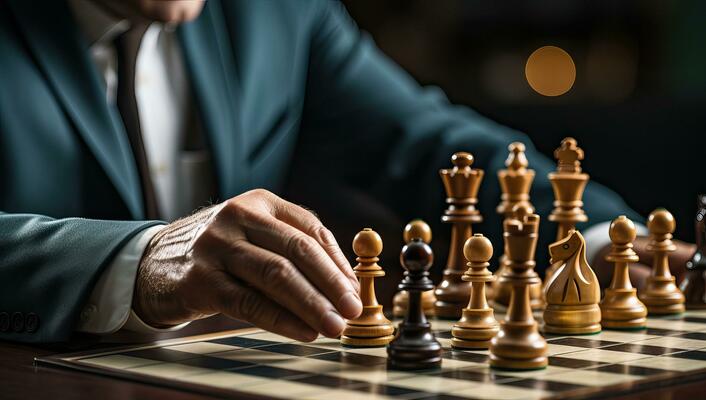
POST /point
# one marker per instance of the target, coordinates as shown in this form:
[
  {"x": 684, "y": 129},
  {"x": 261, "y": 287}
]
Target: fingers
[
  {"x": 310, "y": 258},
  {"x": 307, "y": 222},
  {"x": 281, "y": 281},
  {"x": 240, "y": 302}
]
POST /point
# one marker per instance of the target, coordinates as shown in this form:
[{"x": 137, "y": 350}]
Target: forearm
[{"x": 49, "y": 267}]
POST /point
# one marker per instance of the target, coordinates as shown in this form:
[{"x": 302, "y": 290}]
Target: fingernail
[
  {"x": 333, "y": 324},
  {"x": 350, "y": 305}
]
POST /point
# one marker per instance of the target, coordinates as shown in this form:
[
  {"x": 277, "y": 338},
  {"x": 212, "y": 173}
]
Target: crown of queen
[{"x": 461, "y": 182}]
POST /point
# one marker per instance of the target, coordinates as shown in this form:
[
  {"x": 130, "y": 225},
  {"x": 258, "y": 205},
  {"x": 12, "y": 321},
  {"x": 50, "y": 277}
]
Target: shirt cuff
[
  {"x": 597, "y": 237},
  {"x": 110, "y": 303},
  {"x": 135, "y": 324}
]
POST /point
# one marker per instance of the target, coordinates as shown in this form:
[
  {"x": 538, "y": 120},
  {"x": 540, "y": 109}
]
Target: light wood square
[{"x": 607, "y": 356}]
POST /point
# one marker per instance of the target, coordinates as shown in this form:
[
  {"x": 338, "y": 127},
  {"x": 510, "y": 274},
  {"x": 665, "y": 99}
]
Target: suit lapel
[
  {"x": 214, "y": 78},
  {"x": 54, "y": 41}
]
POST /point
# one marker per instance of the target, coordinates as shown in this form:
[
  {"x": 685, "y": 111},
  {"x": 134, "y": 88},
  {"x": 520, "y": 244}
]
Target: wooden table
[{"x": 21, "y": 379}]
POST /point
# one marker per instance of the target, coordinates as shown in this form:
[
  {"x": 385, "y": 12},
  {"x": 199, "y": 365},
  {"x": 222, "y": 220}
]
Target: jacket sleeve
[
  {"x": 381, "y": 132},
  {"x": 48, "y": 268}
]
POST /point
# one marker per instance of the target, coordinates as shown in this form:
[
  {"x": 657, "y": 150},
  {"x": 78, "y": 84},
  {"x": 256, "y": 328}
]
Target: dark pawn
[
  {"x": 694, "y": 284},
  {"x": 414, "y": 346}
]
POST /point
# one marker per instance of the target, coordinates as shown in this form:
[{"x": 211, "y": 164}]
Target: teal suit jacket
[{"x": 285, "y": 89}]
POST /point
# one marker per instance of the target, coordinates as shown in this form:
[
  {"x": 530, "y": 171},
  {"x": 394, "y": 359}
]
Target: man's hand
[
  {"x": 640, "y": 271},
  {"x": 255, "y": 257}
]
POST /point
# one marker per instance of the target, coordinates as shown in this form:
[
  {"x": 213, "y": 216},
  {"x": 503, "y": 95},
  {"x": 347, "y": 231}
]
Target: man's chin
[
  {"x": 176, "y": 11},
  {"x": 170, "y": 11}
]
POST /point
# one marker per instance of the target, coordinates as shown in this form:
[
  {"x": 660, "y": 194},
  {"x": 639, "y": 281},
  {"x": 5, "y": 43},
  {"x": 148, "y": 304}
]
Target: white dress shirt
[
  {"x": 162, "y": 93},
  {"x": 164, "y": 107}
]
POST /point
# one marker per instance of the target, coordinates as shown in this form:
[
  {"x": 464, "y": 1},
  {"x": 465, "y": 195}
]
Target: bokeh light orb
[{"x": 550, "y": 71}]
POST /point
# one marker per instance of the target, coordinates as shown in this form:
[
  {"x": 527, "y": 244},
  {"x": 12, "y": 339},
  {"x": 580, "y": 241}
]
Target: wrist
[{"x": 160, "y": 294}]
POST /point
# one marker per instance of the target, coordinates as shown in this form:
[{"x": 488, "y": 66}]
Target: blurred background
[{"x": 631, "y": 87}]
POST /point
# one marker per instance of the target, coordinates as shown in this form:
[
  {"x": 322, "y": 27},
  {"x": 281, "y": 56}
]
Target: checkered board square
[{"x": 259, "y": 364}]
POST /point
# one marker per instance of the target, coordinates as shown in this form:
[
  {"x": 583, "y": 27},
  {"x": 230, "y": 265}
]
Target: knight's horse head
[{"x": 565, "y": 248}]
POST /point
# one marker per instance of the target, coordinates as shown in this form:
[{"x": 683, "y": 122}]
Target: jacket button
[
  {"x": 17, "y": 322},
  {"x": 31, "y": 322},
  {"x": 4, "y": 322}
]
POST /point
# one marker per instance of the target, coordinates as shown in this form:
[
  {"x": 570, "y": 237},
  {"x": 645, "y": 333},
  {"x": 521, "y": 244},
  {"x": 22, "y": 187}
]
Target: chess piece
[
  {"x": 573, "y": 294},
  {"x": 415, "y": 346},
  {"x": 477, "y": 324},
  {"x": 461, "y": 184},
  {"x": 371, "y": 328},
  {"x": 568, "y": 183},
  {"x": 694, "y": 284},
  {"x": 515, "y": 181},
  {"x": 661, "y": 294},
  {"x": 414, "y": 229},
  {"x": 518, "y": 344},
  {"x": 502, "y": 288},
  {"x": 620, "y": 307}
]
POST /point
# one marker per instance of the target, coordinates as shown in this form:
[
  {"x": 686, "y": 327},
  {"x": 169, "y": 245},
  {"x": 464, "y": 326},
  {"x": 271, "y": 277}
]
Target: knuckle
[
  {"x": 259, "y": 192},
  {"x": 277, "y": 272},
  {"x": 324, "y": 235},
  {"x": 248, "y": 305},
  {"x": 237, "y": 208},
  {"x": 300, "y": 246},
  {"x": 275, "y": 318}
]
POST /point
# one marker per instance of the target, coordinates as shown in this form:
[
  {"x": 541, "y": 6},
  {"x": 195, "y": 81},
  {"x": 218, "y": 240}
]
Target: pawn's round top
[
  {"x": 417, "y": 228},
  {"x": 622, "y": 230},
  {"x": 367, "y": 243},
  {"x": 462, "y": 159},
  {"x": 478, "y": 249},
  {"x": 661, "y": 222},
  {"x": 416, "y": 256}
]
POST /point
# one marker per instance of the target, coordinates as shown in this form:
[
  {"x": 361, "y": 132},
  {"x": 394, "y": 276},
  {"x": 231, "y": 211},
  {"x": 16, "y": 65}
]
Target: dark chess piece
[
  {"x": 414, "y": 346},
  {"x": 461, "y": 184},
  {"x": 416, "y": 228},
  {"x": 694, "y": 284}
]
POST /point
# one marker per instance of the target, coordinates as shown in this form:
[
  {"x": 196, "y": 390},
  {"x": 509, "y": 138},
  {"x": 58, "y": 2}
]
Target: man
[{"x": 114, "y": 114}]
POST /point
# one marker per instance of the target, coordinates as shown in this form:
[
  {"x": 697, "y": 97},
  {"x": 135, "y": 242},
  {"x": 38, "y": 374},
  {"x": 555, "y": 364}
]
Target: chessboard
[{"x": 257, "y": 364}]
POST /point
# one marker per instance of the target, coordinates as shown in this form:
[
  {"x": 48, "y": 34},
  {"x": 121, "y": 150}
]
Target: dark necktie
[{"x": 127, "y": 46}]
